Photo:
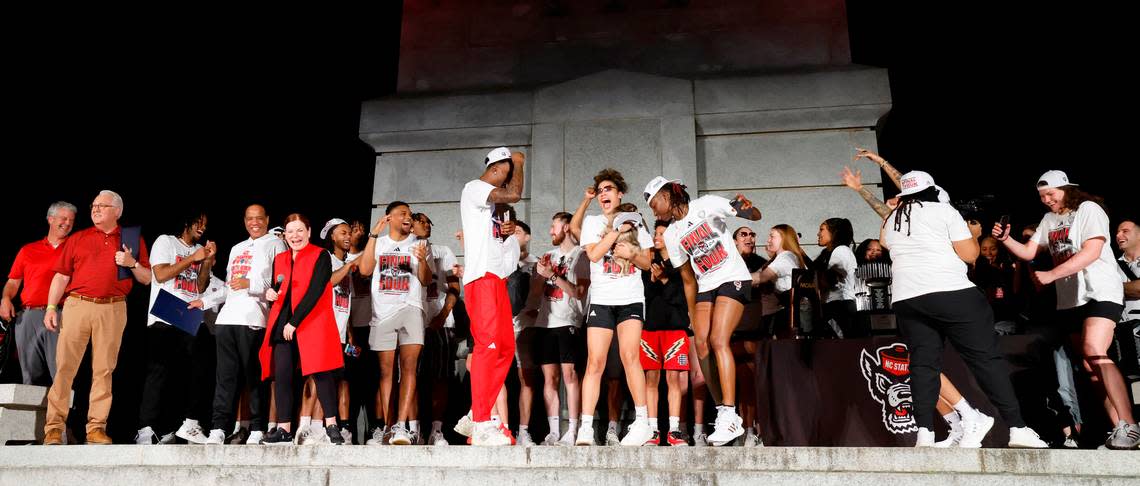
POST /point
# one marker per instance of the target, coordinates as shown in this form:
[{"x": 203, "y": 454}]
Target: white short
[{"x": 406, "y": 326}]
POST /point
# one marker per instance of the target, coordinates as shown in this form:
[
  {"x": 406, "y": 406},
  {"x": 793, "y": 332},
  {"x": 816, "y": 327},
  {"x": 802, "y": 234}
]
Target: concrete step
[{"x": 538, "y": 466}]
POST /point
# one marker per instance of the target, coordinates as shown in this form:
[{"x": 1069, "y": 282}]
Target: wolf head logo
[{"x": 888, "y": 379}]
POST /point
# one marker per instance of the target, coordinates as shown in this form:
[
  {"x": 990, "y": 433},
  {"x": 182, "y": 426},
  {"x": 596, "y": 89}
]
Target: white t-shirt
[
  {"x": 253, "y": 260},
  {"x": 1063, "y": 235},
  {"x": 360, "y": 307},
  {"x": 1131, "y": 307},
  {"x": 842, "y": 262},
  {"x": 702, "y": 237},
  {"x": 782, "y": 265},
  {"x": 394, "y": 282},
  {"x": 341, "y": 298},
  {"x": 443, "y": 260},
  {"x": 925, "y": 261},
  {"x": 608, "y": 286},
  {"x": 560, "y": 309},
  {"x": 169, "y": 250},
  {"x": 481, "y": 248}
]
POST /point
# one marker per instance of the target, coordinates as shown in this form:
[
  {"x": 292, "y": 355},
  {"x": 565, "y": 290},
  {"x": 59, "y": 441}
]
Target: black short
[
  {"x": 1073, "y": 319},
  {"x": 559, "y": 345},
  {"x": 739, "y": 290},
  {"x": 437, "y": 361},
  {"x": 609, "y": 316}
]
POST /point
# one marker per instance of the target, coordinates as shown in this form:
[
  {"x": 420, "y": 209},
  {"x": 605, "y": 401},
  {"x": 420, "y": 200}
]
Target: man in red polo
[
  {"x": 87, "y": 272},
  {"x": 34, "y": 269}
]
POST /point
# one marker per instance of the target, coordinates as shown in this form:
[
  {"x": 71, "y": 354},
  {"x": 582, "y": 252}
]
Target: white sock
[
  {"x": 304, "y": 422},
  {"x": 414, "y": 426},
  {"x": 698, "y": 429},
  {"x": 641, "y": 413},
  {"x": 588, "y": 422},
  {"x": 496, "y": 420},
  {"x": 523, "y": 428},
  {"x": 436, "y": 426},
  {"x": 573, "y": 427},
  {"x": 613, "y": 425},
  {"x": 951, "y": 419},
  {"x": 674, "y": 424},
  {"x": 270, "y": 426},
  {"x": 553, "y": 423},
  {"x": 968, "y": 413}
]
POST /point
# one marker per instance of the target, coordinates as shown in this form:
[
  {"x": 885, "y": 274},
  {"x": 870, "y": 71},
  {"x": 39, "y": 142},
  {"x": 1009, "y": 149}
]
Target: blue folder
[
  {"x": 130, "y": 237},
  {"x": 170, "y": 309}
]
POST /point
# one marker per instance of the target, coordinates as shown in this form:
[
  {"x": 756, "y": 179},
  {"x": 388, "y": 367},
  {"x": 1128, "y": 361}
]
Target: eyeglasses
[{"x": 102, "y": 206}]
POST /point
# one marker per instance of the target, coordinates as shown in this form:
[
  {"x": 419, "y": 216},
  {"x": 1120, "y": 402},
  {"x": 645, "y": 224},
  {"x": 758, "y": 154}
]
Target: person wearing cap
[
  {"x": 181, "y": 267},
  {"x": 486, "y": 292},
  {"x": 934, "y": 300},
  {"x": 87, "y": 273},
  {"x": 240, "y": 326},
  {"x": 717, "y": 284},
  {"x": 32, "y": 270},
  {"x": 400, "y": 268},
  {"x": 1090, "y": 297}
]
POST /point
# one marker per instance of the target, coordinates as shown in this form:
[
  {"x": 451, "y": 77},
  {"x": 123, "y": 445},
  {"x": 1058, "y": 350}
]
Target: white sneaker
[
  {"x": 568, "y": 438},
  {"x": 612, "y": 437},
  {"x": 1025, "y": 438},
  {"x": 488, "y": 434},
  {"x": 925, "y": 438},
  {"x": 255, "y": 437},
  {"x": 700, "y": 440},
  {"x": 585, "y": 436},
  {"x": 465, "y": 426},
  {"x": 346, "y": 435},
  {"x": 953, "y": 439},
  {"x": 167, "y": 439},
  {"x": 301, "y": 436},
  {"x": 973, "y": 431},
  {"x": 417, "y": 439},
  {"x": 400, "y": 435},
  {"x": 318, "y": 434},
  {"x": 437, "y": 439},
  {"x": 145, "y": 436},
  {"x": 377, "y": 437},
  {"x": 551, "y": 439},
  {"x": 217, "y": 437},
  {"x": 190, "y": 431},
  {"x": 1071, "y": 443},
  {"x": 752, "y": 440},
  {"x": 638, "y": 434},
  {"x": 728, "y": 427},
  {"x": 524, "y": 439},
  {"x": 1124, "y": 436}
]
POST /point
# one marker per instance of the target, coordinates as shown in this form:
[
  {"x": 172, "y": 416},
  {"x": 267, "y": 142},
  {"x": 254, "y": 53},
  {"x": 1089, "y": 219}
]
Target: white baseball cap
[
  {"x": 497, "y": 155},
  {"x": 330, "y": 225},
  {"x": 1053, "y": 179},
  {"x": 914, "y": 182},
  {"x": 655, "y": 185}
]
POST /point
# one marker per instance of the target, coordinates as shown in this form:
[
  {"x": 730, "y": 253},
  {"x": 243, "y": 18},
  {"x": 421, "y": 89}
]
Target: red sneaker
[{"x": 676, "y": 439}]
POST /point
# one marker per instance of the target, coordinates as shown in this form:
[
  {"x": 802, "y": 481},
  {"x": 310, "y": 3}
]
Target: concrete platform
[{"x": 538, "y": 466}]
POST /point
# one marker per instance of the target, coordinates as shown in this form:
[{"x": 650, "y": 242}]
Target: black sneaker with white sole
[{"x": 278, "y": 436}]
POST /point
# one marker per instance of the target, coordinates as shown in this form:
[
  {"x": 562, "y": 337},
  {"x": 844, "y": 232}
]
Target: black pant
[
  {"x": 285, "y": 360},
  {"x": 363, "y": 378},
  {"x": 843, "y": 313},
  {"x": 965, "y": 317},
  {"x": 239, "y": 368},
  {"x": 168, "y": 395}
]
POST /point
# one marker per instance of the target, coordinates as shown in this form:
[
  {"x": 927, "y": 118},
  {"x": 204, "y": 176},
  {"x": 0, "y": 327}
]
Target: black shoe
[
  {"x": 334, "y": 434},
  {"x": 238, "y": 437},
  {"x": 278, "y": 436}
]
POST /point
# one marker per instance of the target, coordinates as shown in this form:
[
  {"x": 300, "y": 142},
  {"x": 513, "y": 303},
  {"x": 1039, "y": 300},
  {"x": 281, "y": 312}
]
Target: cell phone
[
  {"x": 350, "y": 350},
  {"x": 1004, "y": 222}
]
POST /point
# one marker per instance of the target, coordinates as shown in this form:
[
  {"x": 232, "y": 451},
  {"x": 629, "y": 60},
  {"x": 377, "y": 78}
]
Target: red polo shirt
[
  {"x": 88, "y": 257},
  {"x": 34, "y": 265}
]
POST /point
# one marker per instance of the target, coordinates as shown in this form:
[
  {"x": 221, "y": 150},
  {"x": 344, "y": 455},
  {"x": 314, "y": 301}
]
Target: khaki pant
[{"x": 102, "y": 325}]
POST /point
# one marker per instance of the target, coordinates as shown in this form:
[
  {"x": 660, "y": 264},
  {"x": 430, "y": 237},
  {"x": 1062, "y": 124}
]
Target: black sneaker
[
  {"x": 278, "y": 436},
  {"x": 334, "y": 434},
  {"x": 238, "y": 437}
]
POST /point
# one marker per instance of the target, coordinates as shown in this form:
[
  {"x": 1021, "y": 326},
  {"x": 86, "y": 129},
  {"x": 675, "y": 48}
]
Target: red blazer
[{"x": 317, "y": 337}]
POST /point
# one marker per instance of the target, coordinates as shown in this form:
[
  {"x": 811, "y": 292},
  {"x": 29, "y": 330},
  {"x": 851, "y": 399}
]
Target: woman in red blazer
[{"x": 303, "y": 329}]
